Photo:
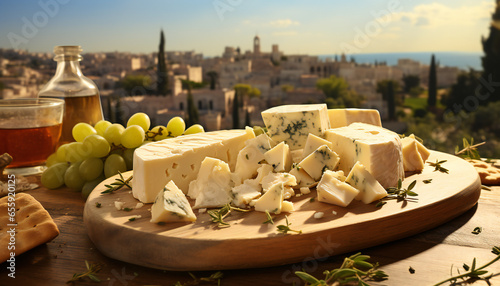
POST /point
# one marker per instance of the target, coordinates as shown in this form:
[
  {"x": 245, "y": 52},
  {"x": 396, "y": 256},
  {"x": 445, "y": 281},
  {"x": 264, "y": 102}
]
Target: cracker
[
  {"x": 489, "y": 174},
  {"x": 34, "y": 225}
]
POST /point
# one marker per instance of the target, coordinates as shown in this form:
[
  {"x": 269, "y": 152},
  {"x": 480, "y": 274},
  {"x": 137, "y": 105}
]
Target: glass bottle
[{"x": 81, "y": 96}]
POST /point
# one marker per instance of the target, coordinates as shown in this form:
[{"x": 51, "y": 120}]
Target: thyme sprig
[
  {"x": 469, "y": 150},
  {"x": 117, "y": 184},
  {"x": 286, "y": 228},
  {"x": 474, "y": 273},
  {"x": 269, "y": 219},
  {"x": 212, "y": 279},
  {"x": 354, "y": 270},
  {"x": 437, "y": 166},
  {"x": 92, "y": 269},
  {"x": 399, "y": 193},
  {"x": 218, "y": 215}
]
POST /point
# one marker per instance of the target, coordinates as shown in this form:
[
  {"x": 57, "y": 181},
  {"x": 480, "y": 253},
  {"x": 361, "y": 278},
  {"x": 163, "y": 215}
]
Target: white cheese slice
[
  {"x": 412, "y": 160},
  {"x": 275, "y": 178},
  {"x": 272, "y": 200},
  {"x": 279, "y": 157},
  {"x": 293, "y": 123},
  {"x": 249, "y": 158},
  {"x": 244, "y": 193},
  {"x": 370, "y": 189},
  {"x": 171, "y": 205},
  {"x": 345, "y": 116},
  {"x": 378, "y": 149},
  {"x": 212, "y": 187},
  {"x": 333, "y": 191},
  {"x": 313, "y": 142},
  {"x": 179, "y": 159},
  {"x": 318, "y": 161}
]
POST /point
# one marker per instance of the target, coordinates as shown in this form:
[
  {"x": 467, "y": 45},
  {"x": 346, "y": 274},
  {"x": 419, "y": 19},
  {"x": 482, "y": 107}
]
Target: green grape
[
  {"x": 97, "y": 145},
  {"x": 132, "y": 137},
  {"x": 61, "y": 152},
  {"x": 101, "y": 126},
  {"x": 196, "y": 128},
  {"x": 258, "y": 130},
  {"x": 141, "y": 119},
  {"x": 114, "y": 164},
  {"x": 53, "y": 176},
  {"x": 72, "y": 177},
  {"x": 114, "y": 134},
  {"x": 128, "y": 156},
  {"x": 91, "y": 168},
  {"x": 77, "y": 152},
  {"x": 176, "y": 126},
  {"x": 163, "y": 135},
  {"x": 89, "y": 186},
  {"x": 51, "y": 160},
  {"x": 82, "y": 130}
]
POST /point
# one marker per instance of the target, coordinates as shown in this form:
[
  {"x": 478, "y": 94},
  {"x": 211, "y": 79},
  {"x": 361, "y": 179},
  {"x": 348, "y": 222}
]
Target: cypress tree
[
  {"x": 391, "y": 100},
  {"x": 491, "y": 59},
  {"x": 236, "y": 113},
  {"x": 192, "y": 116},
  {"x": 162, "y": 74},
  {"x": 247, "y": 118},
  {"x": 432, "y": 98}
]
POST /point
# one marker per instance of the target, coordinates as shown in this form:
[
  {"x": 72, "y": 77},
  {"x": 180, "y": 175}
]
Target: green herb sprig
[
  {"x": 117, "y": 184},
  {"x": 215, "y": 278},
  {"x": 474, "y": 273},
  {"x": 92, "y": 269},
  {"x": 437, "y": 166},
  {"x": 469, "y": 150},
  {"x": 286, "y": 228},
  {"x": 355, "y": 270},
  {"x": 269, "y": 219},
  {"x": 218, "y": 215}
]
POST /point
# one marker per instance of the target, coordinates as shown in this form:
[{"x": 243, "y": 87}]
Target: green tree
[
  {"x": 192, "y": 111},
  {"x": 236, "y": 111},
  {"x": 136, "y": 84},
  {"x": 461, "y": 96},
  {"x": 491, "y": 58},
  {"x": 389, "y": 88},
  {"x": 248, "y": 122},
  {"x": 162, "y": 73},
  {"x": 119, "y": 116},
  {"x": 213, "y": 75},
  {"x": 432, "y": 98},
  {"x": 338, "y": 93},
  {"x": 410, "y": 81}
]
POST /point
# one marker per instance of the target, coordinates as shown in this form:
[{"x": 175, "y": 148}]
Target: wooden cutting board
[{"x": 248, "y": 243}]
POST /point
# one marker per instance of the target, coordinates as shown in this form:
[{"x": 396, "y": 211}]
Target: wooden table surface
[{"x": 432, "y": 254}]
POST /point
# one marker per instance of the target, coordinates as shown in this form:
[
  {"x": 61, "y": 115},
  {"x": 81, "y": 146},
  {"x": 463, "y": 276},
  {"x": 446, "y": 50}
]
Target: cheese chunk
[
  {"x": 302, "y": 177},
  {"x": 424, "y": 152},
  {"x": 412, "y": 160},
  {"x": 370, "y": 189},
  {"x": 293, "y": 123},
  {"x": 244, "y": 193},
  {"x": 179, "y": 159},
  {"x": 212, "y": 187},
  {"x": 287, "y": 207},
  {"x": 333, "y": 191},
  {"x": 272, "y": 200},
  {"x": 171, "y": 205},
  {"x": 318, "y": 161},
  {"x": 279, "y": 157},
  {"x": 249, "y": 158},
  {"x": 378, "y": 149},
  {"x": 345, "y": 116},
  {"x": 275, "y": 178},
  {"x": 313, "y": 142}
]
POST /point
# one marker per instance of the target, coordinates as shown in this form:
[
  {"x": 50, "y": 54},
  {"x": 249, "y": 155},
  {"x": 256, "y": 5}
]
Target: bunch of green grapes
[{"x": 104, "y": 150}]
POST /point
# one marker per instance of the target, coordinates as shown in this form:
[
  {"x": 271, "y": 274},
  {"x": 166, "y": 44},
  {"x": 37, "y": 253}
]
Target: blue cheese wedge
[
  {"x": 246, "y": 192},
  {"x": 249, "y": 158},
  {"x": 212, "y": 187},
  {"x": 272, "y": 200},
  {"x": 320, "y": 160},
  {"x": 171, "y": 205},
  {"x": 369, "y": 188},
  {"x": 302, "y": 177},
  {"x": 279, "y": 157},
  {"x": 333, "y": 191},
  {"x": 378, "y": 149},
  {"x": 293, "y": 123},
  {"x": 341, "y": 117}
]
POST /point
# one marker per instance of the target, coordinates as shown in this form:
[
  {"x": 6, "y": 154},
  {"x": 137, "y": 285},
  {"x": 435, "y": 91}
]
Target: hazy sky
[{"x": 305, "y": 27}]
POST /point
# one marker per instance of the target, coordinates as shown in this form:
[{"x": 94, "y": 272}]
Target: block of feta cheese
[
  {"x": 272, "y": 200},
  {"x": 293, "y": 123},
  {"x": 212, "y": 187},
  {"x": 179, "y": 159},
  {"x": 377, "y": 148},
  {"x": 333, "y": 191},
  {"x": 370, "y": 190},
  {"x": 312, "y": 143},
  {"x": 345, "y": 116},
  {"x": 279, "y": 157},
  {"x": 249, "y": 158},
  {"x": 171, "y": 205},
  {"x": 318, "y": 161}
]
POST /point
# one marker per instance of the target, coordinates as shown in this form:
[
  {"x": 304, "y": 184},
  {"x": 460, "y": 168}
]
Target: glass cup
[{"x": 29, "y": 131}]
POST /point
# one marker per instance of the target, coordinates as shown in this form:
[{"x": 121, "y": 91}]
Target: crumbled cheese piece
[
  {"x": 305, "y": 190},
  {"x": 202, "y": 210},
  {"x": 334, "y": 212},
  {"x": 318, "y": 215},
  {"x": 139, "y": 205},
  {"x": 119, "y": 205}
]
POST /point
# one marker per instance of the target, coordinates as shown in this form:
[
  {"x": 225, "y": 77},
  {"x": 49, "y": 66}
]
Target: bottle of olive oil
[{"x": 81, "y": 95}]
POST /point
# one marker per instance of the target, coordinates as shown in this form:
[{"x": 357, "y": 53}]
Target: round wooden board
[{"x": 249, "y": 243}]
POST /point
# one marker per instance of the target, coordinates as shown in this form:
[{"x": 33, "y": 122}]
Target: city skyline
[{"x": 328, "y": 27}]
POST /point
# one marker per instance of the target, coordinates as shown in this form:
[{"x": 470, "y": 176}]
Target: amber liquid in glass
[
  {"x": 29, "y": 146},
  {"x": 79, "y": 109}
]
